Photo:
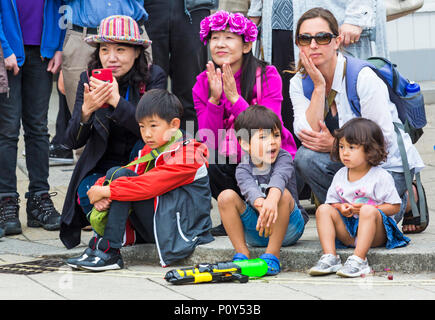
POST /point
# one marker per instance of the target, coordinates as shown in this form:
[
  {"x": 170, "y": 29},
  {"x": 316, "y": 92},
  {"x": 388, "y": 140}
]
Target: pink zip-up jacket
[{"x": 212, "y": 118}]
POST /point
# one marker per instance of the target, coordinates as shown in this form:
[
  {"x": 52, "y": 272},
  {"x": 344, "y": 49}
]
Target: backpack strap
[
  {"x": 408, "y": 180},
  {"x": 353, "y": 67},
  {"x": 352, "y": 95},
  {"x": 154, "y": 153}
]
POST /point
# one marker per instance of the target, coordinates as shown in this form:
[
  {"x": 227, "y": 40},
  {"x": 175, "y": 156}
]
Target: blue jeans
[
  {"x": 28, "y": 101},
  {"x": 82, "y": 190},
  {"x": 316, "y": 169},
  {"x": 294, "y": 231}
]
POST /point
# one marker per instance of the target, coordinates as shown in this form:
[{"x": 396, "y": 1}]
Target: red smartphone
[{"x": 104, "y": 75}]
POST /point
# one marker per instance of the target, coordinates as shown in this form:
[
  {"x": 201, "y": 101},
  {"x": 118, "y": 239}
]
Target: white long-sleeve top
[{"x": 375, "y": 105}]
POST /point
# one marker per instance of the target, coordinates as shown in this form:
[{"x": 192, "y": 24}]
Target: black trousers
[
  {"x": 141, "y": 215},
  {"x": 62, "y": 119},
  {"x": 177, "y": 48},
  {"x": 222, "y": 175},
  {"x": 28, "y": 101}
]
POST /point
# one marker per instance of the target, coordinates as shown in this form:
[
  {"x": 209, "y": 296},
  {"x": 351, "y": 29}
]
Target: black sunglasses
[{"x": 320, "y": 38}]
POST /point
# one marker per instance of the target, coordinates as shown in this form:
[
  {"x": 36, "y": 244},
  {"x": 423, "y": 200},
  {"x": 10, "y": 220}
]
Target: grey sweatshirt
[{"x": 255, "y": 183}]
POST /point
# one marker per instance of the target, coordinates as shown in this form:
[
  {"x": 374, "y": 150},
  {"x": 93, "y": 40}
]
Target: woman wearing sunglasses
[{"x": 317, "y": 114}]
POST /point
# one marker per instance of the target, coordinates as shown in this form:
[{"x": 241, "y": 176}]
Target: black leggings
[{"x": 222, "y": 175}]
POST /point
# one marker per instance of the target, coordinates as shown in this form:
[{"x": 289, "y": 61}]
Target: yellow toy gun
[
  {"x": 181, "y": 276},
  {"x": 218, "y": 272}
]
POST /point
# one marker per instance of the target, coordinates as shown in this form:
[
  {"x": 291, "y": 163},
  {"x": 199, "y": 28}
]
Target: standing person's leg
[
  {"x": 10, "y": 117},
  {"x": 188, "y": 58},
  {"x": 62, "y": 119},
  {"x": 76, "y": 55},
  {"x": 157, "y": 27},
  {"x": 282, "y": 59},
  {"x": 37, "y": 84},
  {"x": 59, "y": 154},
  {"x": 75, "y": 58}
]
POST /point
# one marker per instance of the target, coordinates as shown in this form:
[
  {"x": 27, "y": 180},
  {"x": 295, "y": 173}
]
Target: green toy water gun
[{"x": 218, "y": 272}]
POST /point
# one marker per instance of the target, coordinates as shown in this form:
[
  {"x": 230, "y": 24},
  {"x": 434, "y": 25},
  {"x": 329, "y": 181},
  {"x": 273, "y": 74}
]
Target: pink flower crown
[{"x": 236, "y": 22}]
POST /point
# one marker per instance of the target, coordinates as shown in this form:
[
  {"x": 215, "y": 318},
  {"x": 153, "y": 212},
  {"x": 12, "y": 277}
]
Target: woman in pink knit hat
[
  {"x": 233, "y": 81},
  {"x": 103, "y": 118}
]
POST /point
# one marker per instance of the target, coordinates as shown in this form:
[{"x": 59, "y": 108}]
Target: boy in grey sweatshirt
[{"x": 269, "y": 215}]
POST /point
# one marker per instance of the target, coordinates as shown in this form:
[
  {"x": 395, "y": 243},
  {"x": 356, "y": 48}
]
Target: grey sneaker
[
  {"x": 354, "y": 267},
  {"x": 328, "y": 263}
]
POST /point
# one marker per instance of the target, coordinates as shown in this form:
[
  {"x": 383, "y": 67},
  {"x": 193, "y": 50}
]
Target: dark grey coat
[{"x": 182, "y": 220}]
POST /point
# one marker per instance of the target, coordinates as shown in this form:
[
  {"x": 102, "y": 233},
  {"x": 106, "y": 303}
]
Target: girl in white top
[
  {"x": 315, "y": 119},
  {"x": 360, "y": 201}
]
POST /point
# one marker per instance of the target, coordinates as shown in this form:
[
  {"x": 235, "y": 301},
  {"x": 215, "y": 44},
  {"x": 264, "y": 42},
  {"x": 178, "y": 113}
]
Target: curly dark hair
[
  {"x": 364, "y": 132},
  {"x": 137, "y": 75}
]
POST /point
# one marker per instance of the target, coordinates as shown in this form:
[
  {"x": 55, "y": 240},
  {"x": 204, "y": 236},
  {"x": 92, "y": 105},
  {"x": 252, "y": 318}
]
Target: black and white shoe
[
  {"x": 100, "y": 257},
  {"x": 75, "y": 262},
  {"x": 102, "y": 261}
]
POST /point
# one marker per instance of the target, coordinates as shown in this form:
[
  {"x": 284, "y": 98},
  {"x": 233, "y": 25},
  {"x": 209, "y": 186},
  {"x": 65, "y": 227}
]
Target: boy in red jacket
[{"x": 163, "y": 193}]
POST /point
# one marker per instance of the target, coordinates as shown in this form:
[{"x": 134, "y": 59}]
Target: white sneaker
[
  {"x": 354, "y": 267},
  {"x": 328, "y": 263}
]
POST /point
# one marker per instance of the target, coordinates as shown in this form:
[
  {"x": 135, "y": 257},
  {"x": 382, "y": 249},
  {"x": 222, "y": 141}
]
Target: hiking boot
[
  {"x": 9, "y": 209},
  {"x": 103, "y": 258},
  {"x": 328, "y": 263},
  {"x": 41, "y": 211},
  {"x": 354, "y": 267},
  {"x": 59, "y": 155}
]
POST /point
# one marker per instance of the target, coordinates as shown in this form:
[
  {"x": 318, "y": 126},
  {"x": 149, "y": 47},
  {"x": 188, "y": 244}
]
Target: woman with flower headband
[{"x": 233, "y": 81}]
